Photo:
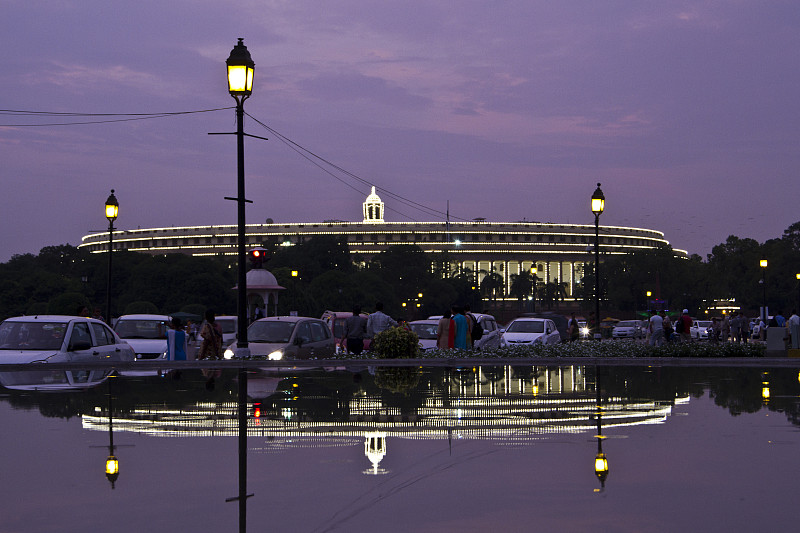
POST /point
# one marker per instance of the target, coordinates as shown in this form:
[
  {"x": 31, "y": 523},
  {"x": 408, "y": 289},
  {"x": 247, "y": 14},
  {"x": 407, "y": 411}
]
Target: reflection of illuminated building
[{"x": 492, "y": 403}]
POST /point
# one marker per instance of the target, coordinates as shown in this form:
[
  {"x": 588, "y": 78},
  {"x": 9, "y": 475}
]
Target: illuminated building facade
[{"x": 559, "y": 252}]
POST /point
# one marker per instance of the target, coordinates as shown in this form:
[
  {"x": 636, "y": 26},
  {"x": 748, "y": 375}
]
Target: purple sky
[{"x": 685, "y": 111}]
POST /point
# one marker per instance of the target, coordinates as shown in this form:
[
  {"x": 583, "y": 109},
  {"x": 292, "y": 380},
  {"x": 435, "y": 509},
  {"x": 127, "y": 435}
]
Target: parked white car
[
  {"x": 58, "y": 339},
  {"x": 627, "y": 329},
  {"x": 147, "y": 334},
  {"x": 699, "y": 329},
  {"x": 426, "y": 331},
  {"x": 229, "y": 325},
  {"x": 521, "y": 331},
  {"x": 288, "y": 337}
]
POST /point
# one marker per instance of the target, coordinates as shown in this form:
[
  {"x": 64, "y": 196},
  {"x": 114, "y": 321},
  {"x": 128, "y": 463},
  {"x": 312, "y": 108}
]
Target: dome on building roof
[
  {"x": 373, "y": 208},
  {"x": 259, "y": 278}
]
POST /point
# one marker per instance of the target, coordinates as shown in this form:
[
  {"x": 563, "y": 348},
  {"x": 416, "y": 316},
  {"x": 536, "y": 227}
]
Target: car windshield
[
  {"x": 703, "y": 323},
  {"x": 627, "y": 324},
  {"x": 141, "y": 329},
  {"x": 526, "y": 326},
  {"x": 32, "y": 335},
  {"x": 270, "y": 331},
  {"x": 228, "y": 325},
  {"x": 424, "y": 331}
]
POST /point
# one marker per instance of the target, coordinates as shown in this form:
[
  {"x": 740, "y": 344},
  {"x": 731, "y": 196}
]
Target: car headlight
[
  {"x": 584, "y": 331},
  {"x": 277, "y": 355},
  {"x": 228, "y": 354}
]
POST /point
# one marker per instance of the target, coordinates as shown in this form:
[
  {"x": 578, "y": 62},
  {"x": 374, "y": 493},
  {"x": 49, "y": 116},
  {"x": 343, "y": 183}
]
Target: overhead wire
[
  {"x": 309, "y": 155},
  {"x": 127, "y": 116},
  {"x": 315, "y": 159}
]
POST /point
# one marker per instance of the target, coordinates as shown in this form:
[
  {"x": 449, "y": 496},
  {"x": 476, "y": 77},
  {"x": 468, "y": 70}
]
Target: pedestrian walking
[
  {"x": 666, "y": 324},
  {"x": 176, "y": 341},
  {"x": 656, "y": 327},
  {"x": 211, "y": 347},
  {"x": 445, "y": 330},
  {"x": 462, "y": 332},
  {"x": 573, "y": 329},
  {"x": 355, "y": 327},
  {"x": 379, "y": 321},
  {"x": 744, "y": 327},
  {"x": 683, "y": 325}
]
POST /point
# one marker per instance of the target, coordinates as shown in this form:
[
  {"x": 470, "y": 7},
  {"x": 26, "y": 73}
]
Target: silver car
[
  {"x": 627, "y": 329},
  {"x": 288, "y": 337},
  {"x": 58, "y": 339}
]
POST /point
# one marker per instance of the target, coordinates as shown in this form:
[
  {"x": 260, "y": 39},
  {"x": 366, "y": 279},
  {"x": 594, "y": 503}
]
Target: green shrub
[{"x": 396, "y": 343}]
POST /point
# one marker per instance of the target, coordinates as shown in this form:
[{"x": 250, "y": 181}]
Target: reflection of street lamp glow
[
  {"x": 601, "y": 467},
  {"x": 600, "y": 459},
  {"x": 765, "y": 391},
  {"x": 112, "y": 469}
]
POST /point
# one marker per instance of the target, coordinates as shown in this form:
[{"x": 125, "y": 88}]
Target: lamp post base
[{"x": 241, "y": 353}]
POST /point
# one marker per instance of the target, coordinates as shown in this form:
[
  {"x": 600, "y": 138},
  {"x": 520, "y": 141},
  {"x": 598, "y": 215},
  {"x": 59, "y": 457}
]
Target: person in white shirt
[{"x": 656, "y": 329}]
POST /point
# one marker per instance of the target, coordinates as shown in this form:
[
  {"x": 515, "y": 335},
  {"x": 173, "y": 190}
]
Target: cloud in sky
[{"x": 685, "y": 111}]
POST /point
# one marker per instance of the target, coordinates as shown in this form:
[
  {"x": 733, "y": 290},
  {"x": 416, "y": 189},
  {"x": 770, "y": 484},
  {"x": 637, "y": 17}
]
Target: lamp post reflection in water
[
  {"x": 242, "y": 416},
  {"x": 600, "y": 460},
  {"x": 112, "y": 463}
]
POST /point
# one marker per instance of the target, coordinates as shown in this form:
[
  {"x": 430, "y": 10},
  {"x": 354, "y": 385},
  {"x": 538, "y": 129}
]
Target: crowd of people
[
  {"x": 730, "y": 328},
  {"x": 457, "y": 328}
]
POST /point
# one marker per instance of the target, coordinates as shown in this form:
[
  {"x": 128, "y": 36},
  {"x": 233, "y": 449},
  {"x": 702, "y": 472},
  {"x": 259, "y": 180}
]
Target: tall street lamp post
[
  {"x": 112, "y": 210},
  {"x": 598, "y": 203},
  {"x": 240, "y": 85},
  {"x": 763, "y": 264}
]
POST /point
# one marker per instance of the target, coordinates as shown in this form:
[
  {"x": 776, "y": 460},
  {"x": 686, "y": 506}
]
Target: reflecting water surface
[{"x": 514, "y": 448}]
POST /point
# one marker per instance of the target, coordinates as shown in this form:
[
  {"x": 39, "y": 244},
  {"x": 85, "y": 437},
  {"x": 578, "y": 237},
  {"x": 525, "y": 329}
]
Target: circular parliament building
[{"x": 557, "y": 252}]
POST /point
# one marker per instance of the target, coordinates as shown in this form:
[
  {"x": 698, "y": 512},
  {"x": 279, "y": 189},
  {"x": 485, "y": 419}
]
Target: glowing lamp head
[
  {"x": 598, "y": 201},
  {"x": 763, "y": 263},
  {"x": 240, "y": 71},
  {"x": 112, "y": 207}
]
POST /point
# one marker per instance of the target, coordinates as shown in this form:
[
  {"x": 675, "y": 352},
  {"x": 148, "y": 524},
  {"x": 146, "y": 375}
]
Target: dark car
[{"x": 560, "y": 321}]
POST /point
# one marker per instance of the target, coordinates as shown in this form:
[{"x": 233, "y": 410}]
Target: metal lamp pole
[
  {"x": 598, "y": 204},
  {"x": 798, "y": 292},
  {"x": 240, "y": 85},
  {"x": 112, "y": 210},
  {"x": 763, "y": 264}
]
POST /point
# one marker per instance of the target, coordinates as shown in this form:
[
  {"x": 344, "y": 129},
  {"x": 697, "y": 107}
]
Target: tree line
[{"x": 411, "y": 283}]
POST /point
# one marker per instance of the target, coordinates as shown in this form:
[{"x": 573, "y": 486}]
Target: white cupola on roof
[{"x": 373, "y": 208}]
